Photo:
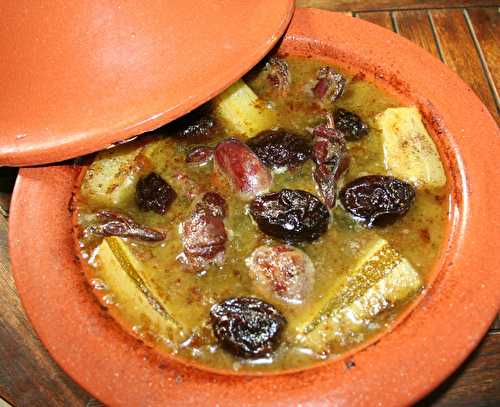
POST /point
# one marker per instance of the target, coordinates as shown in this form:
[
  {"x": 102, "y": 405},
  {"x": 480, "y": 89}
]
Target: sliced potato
[
  {"x": 409, "y": 151},
  {"x": 242, "y": 111},
  {"x": 379, "y": 281},
  {"x": 119, "y": 268}
]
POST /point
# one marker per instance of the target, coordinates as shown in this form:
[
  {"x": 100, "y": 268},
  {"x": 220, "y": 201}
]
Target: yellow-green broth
[{"x": 417, "y": 236}]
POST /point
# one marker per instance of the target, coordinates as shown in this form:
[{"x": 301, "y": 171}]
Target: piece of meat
[
  {"x": 283, "y": 272},
  {"x": 330, "y": 84},
  {"x": 116, "y": 224},
  {"x": 247, "y": 174},
  {"x": 330, "y": 156},
  {"x": 204, "y": 234},
  {"x": 278, "y": 74}
]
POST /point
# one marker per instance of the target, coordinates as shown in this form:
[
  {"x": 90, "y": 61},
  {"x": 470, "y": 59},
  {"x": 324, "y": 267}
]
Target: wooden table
[{"x": 464, "y": 35}]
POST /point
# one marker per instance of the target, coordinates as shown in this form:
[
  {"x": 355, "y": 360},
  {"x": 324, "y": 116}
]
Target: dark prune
[
  {"x": 196, "y": 124},
  {"x": 247, "y": 327},
  {"x": 377, "y": 200},
  {"x": 204, "y": 234},
  {"x": 350, "y": 124},
  {"x": 278, "y": 73},
  {"x": 330, "y": 84},
  {"x": 291, "y": 215},
  {"x": 278, "y": 148},
  {"x": 200, "y": 155},
  {"x": 154, "y": 194},
  {"x": 116, "y": 224}
]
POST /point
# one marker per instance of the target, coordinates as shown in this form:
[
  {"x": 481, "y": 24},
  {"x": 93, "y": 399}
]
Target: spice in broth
[{"x": 289, "y": 220}]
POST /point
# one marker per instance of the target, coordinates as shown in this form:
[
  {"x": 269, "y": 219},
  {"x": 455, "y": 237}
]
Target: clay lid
[{"x": 78, "y": 76}]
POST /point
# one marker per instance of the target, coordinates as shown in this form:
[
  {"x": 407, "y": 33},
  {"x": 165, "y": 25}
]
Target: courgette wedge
[
  {"x": 121, "y": 271},
  {"x": 409, "y": 151},
  {"x": 111, "y": 178},
  {"x": 380, "y": 280},
  {"x": 241, "y": 110}
]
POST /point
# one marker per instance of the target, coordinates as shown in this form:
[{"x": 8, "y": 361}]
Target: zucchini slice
[
  {"x": 121, "y": 271},
  {"x": 409, "y": 151},
  {"x": 381, "y": 279}
]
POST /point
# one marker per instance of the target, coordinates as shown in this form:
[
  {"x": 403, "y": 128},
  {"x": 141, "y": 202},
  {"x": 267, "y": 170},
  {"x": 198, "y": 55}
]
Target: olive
[
  {"x": 377, "y": 200},
  {"x": 279, "y": 148},
  {"x": 153, "y": 193},
  {"x": 247, "y": 327},
  {"x": 350, "y": 124},
  {"x": 290, "y": 215}
]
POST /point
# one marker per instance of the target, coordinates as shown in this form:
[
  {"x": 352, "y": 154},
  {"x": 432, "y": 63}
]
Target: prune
[
  {"x": 350, "y": 124},
  {"x": 291, "y": 215},
  {"x": 377, "y": 200},
  {"x": 203, "y": 234},
  {"x": 154, "y": 194},
  {"x": 200, "y": 155},
  {"x": 330, "y": 84},
  {"x": 278, "y": 73},
  {"x": 284, "y": 272},
  {"x": 247, "y": 174},
  {"x": 278, "y": 148},
  {"x": 247, "y": 327},
  {"x": 116, "y": 224},
  {"x": 196, "y": 124}
]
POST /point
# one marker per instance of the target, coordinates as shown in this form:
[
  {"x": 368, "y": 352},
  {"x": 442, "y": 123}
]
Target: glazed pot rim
[{"x": 472, "y": 297}]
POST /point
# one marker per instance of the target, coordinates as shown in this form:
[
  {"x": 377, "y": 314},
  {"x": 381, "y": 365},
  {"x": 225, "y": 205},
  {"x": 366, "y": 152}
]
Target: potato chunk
[
  {"x": 112, "y": 176},
  {"x": 242, "y": 111},
  {"x": 409, "y": 151},
  {"x": 380, "y": 280}
]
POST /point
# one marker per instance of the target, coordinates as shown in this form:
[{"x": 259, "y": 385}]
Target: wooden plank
[
  {"x": 383, "y": 5},
  {"x": 416, "y": 26},
  {"x": 28, "y": 376},
  {"x": 475, "y": 383},
  {"x": 460, "y": 54},
  {"x": 485, "y": 24},
  {"x": 382, "y": 19}
]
